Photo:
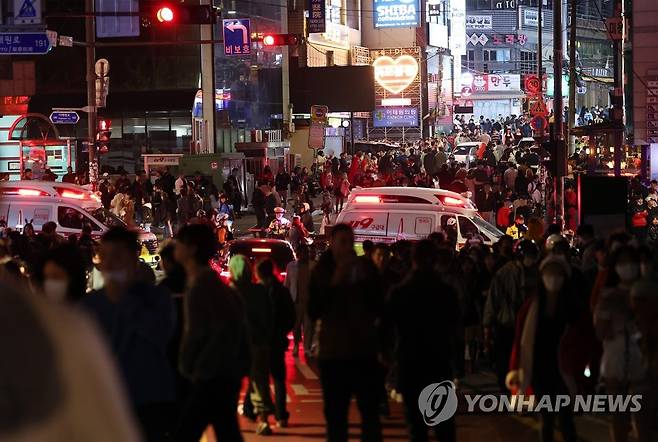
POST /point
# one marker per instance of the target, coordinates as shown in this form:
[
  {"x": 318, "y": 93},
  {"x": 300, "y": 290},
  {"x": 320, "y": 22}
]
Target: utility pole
[
  {"x": 90, "y": 37},
  {"x": 558, "y": 111},
  {"x": 208, "y": 84},
  {"x": 572, "y": 75}
]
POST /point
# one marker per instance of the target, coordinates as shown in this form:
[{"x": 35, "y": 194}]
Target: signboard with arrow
[{"x": 237, "y": 37}]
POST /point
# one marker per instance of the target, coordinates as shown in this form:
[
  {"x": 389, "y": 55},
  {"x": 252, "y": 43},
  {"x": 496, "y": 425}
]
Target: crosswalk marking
[
  {"x": 306, "y": 371},
  {"x": 299, "y": 389}
]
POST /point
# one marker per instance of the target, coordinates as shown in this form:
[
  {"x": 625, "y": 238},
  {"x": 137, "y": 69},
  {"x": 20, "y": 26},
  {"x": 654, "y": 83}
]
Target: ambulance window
[
  {"x": 423, "y": 225},
  {"x": 467, "y": 228},
  {"x": 445, "y": 222},
  {"x": 41, "y": 216},
  {"x": 70, "y": 218}
]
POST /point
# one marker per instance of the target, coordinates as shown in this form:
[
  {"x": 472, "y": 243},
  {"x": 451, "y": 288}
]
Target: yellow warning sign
[{"x": 538, "y": 107}]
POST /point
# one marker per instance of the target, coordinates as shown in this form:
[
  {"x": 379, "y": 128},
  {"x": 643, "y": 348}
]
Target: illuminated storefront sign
[
  {"x": 401, "y": 116},
  {"x": 396, "y": 13},
  {"x": 395, "y": 74}
]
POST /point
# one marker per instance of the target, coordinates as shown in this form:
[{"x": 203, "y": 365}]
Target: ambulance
[{"x": 389, "y": 214}]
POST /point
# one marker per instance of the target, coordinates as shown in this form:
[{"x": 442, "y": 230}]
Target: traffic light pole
[
  {"x": 558, "y": 111},
  {"x": 572, "y": 75},
  {"x": 90, "y": 37},
  {"x": 208, "y": 84}
]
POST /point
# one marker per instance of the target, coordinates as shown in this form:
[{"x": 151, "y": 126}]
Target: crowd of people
[{"x": 556, "y": 315}]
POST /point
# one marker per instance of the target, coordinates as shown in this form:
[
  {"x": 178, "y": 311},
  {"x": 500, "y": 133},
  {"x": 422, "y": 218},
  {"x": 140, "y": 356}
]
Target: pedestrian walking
[
  {"x": 346, "y": 297},
  {"x": 214, "y": 353}
]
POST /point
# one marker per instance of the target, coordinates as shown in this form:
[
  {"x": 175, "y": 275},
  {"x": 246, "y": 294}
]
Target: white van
[
  {"x": 79, "y": 195},
  {"x": 17, "y": 210},
  {"x": 389, "y": 214}
]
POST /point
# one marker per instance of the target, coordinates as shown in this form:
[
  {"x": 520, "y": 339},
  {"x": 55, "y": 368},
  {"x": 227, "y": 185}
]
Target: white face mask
[
  {"x": 55, "y": 289},
  {"x": 628, "y": 271},
  {"x": 553, "y": 283},
  {"x": 118, "y": 277}
]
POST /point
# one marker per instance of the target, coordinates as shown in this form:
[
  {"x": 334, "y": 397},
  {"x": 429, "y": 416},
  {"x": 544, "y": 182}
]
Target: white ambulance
[{"x": 389, "y": 214}]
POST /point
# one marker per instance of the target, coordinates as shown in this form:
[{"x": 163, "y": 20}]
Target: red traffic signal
[
  {"x": 103, "y": 135},
  {"x": 104, "y": 125},
  {"x": 281, "y": 39},
  {"x": 165, "y": 14},
  {"x": 185, "y": 14}
]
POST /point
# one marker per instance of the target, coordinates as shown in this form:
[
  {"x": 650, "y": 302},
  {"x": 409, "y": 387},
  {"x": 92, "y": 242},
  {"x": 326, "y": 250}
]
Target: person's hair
[
  {"x": 625, "y": 251},
  {"x": 49, "y": 227},
  {"x": 382, "y": 246},
  {"x": 265, "y": 269},
  {"x": 341, "y": 228},
  {"x": 303, "y": 252},
  {"x": 424, "y": 254},
  {"x": 123, "y": 237},
  {"x": 69, "y": 258},
  {"x": 202, "y": 238},
  {"x": 368, "y": 246},
  {"x": 167, "y": 251}
]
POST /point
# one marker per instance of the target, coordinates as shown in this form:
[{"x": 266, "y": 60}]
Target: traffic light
[
  {"x": 185, "y": 14},
  {"x": 165, "y": 14},
  {"x": 103, "y": 134},
  {"x": 281, "y": 39}
]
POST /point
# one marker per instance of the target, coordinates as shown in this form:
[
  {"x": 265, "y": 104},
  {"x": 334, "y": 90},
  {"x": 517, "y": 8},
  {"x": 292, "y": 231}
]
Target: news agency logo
[{"x": 438, "y": 403}]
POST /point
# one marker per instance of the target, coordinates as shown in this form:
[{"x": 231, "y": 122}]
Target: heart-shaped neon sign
[{"x": 395, "y": 75}]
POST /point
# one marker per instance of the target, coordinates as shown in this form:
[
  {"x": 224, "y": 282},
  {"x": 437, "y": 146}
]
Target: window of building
[
  {"x": 468, "y": 60},
  {"x": 493, "y": 57},
  {"x": 500, "y": 55},
  {"x": 535, "y": 3},
  {"x": 479, "y": 4},
  {"x": 528, "y": 62}
]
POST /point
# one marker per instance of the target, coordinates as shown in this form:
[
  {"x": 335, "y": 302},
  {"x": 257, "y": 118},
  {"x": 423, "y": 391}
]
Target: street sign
[
  {"x": 27, "y": 12},
  {"x": 237, "y": 36},
  {"x": 102, "y": 67},
  {"x": 538, "y": 107},
  {"x": 317, "y": 22},
  {"x": 319, "y": 114},
  {"x": 532, "y": 84},
  {"x": 24, "y": 43},
  {"x": 538, "y": 123},
  {"x": 64, "y": 117}
]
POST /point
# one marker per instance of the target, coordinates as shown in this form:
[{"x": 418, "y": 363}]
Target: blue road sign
[
  {"x": 29, "y": 43},
  {"x": 237, "y": 36},
  {"x": 64, "y": 117}
]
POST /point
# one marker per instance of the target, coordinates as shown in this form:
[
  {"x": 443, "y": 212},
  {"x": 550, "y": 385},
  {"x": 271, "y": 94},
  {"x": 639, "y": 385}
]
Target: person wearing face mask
[
  {"x": 551, "y": 345},
  {"x": 510, "y": 287},
  {"x": 138, "y": 320},
  {"x": 61, "y": 274},
  {"x": 621, "y": 362}
]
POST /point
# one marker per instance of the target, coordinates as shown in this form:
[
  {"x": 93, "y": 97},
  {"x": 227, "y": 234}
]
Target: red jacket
[{"x": 502, "y": 217}]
